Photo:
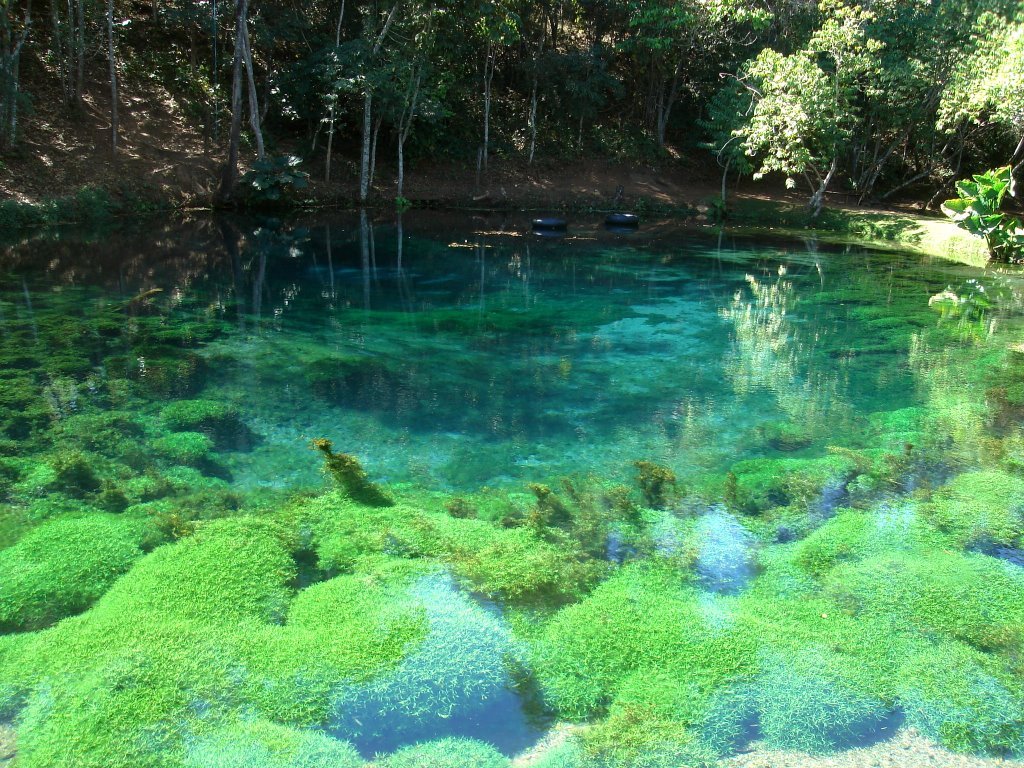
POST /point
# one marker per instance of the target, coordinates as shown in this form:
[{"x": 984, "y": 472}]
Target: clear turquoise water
[{"x": 454, "y": 354}]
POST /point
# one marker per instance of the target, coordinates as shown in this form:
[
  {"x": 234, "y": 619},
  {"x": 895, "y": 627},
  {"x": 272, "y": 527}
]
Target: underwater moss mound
[
  {"x": 797, "y": 702},
  {"x": 63, "y": 566},
  {"x": 447, "y": 753},
  {"x": 184, "y": 447},
  {"x": 462, "y": 662},
  {"x": 969, "y": 597},
  {"x": 197, "y": 633},
  {"x": 218, "y": 420},
  {"x": 853, "y": 535},
  {"x": 758, "y": 485},
  {"x": 262, "y": 744},
  {"x": 965, "y": 700},
  {"x": 643, "y": 617},
  {"x": 980, "y": 509}
]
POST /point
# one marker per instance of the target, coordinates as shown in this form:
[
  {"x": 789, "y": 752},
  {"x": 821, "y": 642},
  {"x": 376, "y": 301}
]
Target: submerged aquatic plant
[
  {"x": 350, "y": 475},
  {"x": 657, "y": 483}
]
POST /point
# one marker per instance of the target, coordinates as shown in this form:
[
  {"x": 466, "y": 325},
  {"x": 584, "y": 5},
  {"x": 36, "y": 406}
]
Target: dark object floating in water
[
  {"x": 549, "y": 224},
  {"x": 622, "y": 221}
]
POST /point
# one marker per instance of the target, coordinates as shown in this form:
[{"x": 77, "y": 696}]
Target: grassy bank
[{"x": 930, "y": 236}]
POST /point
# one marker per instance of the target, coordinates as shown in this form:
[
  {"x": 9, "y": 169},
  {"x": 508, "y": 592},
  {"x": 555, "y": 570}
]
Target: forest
[{"x": 879, "y": 101}]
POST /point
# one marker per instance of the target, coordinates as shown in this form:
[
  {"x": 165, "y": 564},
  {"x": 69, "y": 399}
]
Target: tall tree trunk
[
  {"x": 230, "y": 176},
  {"x": 10, "y": 59},
  {"x": 488, "y": 76},
  {"x": 364, "y": 165},
  {"x": 533, "y": 97},
  {"x": 817, "y": 202},
  {"x": 254, "y": 106},
  {"x": 215, "y": 81},
  {"x": 404, "y": 128},
  {"x": 79, "y": 53},
  {"x": 373, "y": 147},
  {"x": 111, "y": 57},
  {"x": 333, "y": 97},
  {"x": 57, "y": 46}
]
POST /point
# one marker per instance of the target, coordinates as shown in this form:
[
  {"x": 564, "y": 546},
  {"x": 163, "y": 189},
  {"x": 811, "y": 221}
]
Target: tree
[
  {"x": 229, "y": 177},
  {"x": 12, "y": 39},
  {"x": 677, "y": 46},
  {"x": 802, "y": 108},
  {"x": 112, "y": 60},
  {"x": 377, "y": 35}
]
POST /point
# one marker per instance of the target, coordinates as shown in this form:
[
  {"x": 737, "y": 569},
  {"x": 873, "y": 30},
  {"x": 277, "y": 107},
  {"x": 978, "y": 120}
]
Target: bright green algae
[{"x": 673, "y": 596}]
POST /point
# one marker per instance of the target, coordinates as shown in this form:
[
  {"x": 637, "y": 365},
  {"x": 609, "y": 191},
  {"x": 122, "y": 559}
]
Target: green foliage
[
  {"x": 275, "y": 180},
  {"x": 977, "y": 209},
  {"x": 61, "y": 567}
]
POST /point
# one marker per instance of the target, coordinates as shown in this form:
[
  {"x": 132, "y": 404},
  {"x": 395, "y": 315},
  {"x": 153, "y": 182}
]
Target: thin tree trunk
[
  {"x": 1017, "y": 153},
  {"x": 11, "y": 60},
  {"x": 488, "y": 75},
  {"x": 818, "y": 198},
  {"x": 113, "y": 75},
  {"x": 373, "y": 148},
  {"x": 254, "y": 106},
  {"x": 80, "y": 53},
  {"x": 405, "y": 127},
  {"x": 215, "y": 103},
  {"x": 364, "y": 166},
  {"x": 57, "y": 44},
  {"x": 230, "y": 176},
  {"x": 533, "y": 97},
  {"x": 333, "y": 98}
]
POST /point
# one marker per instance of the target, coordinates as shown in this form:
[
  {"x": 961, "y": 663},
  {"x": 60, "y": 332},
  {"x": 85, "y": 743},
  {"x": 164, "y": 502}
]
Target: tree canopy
[{"x": 873, "y": 99}]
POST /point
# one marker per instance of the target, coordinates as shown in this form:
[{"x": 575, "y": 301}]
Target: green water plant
[
  {"x": 350, "y": 475},
  {"x": 980, "y": 509},
  {"x": 61, "y": 567},
  {"x": 641, "y": 620},
  {"x": 447, "y": 753},
  {"x": 657, "y": 483},
  {"x": 970, "y": 597},
  {"x": 963, "y": 699},
  {"x": 264, "y": 744},
  {"x": 196, "y": 635},
  {"x": 218, "y": 420}
]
